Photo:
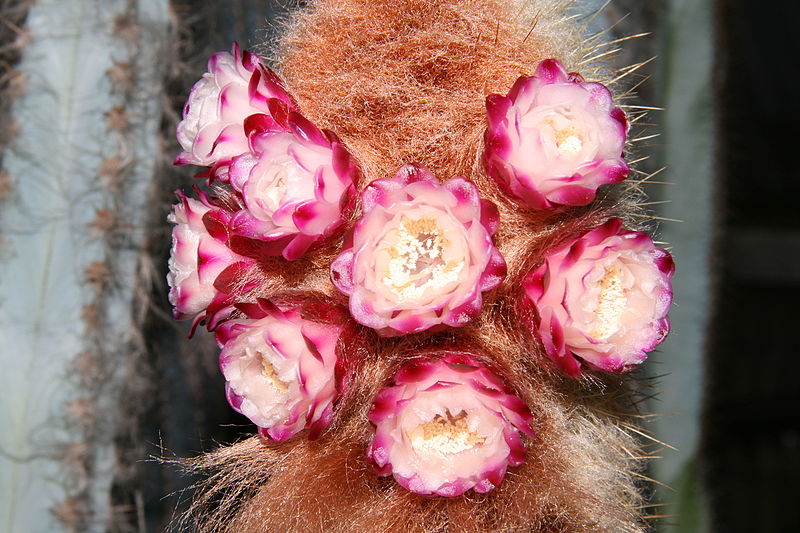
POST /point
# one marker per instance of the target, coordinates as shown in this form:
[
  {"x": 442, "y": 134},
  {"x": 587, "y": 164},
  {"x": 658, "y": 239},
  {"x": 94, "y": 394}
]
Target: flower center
[
  {"x": 417, "y": 259},
  {"x": 445, "y": 435},
  {"x": 568, "y": 141},
  {"x": 271, "y": 191},
  {"x": 268, "y": 371},
  {"x": 612, "y": 302}
]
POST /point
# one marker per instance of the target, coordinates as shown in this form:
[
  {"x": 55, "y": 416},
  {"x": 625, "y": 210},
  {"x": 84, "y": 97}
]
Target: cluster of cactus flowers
[{"x": 419, "y": 258}]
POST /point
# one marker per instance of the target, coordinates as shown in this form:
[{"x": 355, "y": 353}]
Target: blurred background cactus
[
  {"x": 97, "y": 379},
  {"x": 80, "y": 162}
]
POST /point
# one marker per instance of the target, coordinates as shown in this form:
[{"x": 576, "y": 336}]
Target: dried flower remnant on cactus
[
  {"x": 555, "y": 138},
  {"x": 198, "y": 260},
  {"x": 296, "y": 183},
  {"x": 447, "y": 426},
  {"x": 421, "y": 255},
  {"x": 280, "y": 369},
  {"x": 603, "y": 298},
  {"x": 236, "y": 86}
]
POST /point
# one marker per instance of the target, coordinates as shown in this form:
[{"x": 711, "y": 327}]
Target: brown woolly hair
[{"x": 405, "y": 81}]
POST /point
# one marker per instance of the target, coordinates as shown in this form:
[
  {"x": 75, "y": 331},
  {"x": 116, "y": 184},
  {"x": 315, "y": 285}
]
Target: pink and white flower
[
  {"x": 281, "y": 369},
  {"x": 447, "y": 426},
  {"x": 602, "y": 299},
  {"x": 555, "y": 138},
  {"x": 236, "y": 86},
  {"x": 421, "y": 255},
  {"x": 200, "y": 261},
  {"x": 296, "y": 182}
]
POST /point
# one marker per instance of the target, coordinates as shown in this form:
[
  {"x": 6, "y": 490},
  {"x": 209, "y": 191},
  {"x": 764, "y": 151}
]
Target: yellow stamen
[
  {"x": 445, "y": 435},
  {"x": 569, "y": 140},
  {"x": 611, "y": 304},
  {"x": 417, "y": 259},
  {"x": 268, "y": 371}
]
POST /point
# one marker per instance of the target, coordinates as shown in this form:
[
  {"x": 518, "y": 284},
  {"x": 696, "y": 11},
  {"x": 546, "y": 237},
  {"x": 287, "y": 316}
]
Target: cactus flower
[
  {"x": 199, "y": 261},
  {"x": 447, "y": 426},
  {"x": 280, "y": 369},
  {"x": 236, "y": 86},
  {"x": 555, "y": 138},
  {"x": 421, "y": 255},
  {"x": 296, "y": 183},
  {"x": 602, "y": 299}
]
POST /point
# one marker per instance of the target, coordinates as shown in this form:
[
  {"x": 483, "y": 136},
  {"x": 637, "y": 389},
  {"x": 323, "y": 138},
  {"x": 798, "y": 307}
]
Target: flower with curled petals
[
  {"x": 201, "y": 263},
  {"x": 555, "y": 138},
  {"x": 447, "y": 426},
  {"x": 236, "y": 86},
  {"x": 280, "y": 369},
  {"x": 297, "y": 183},
  {"x": 602, "y": 299},
  {"x": 421, "y": 255}
]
